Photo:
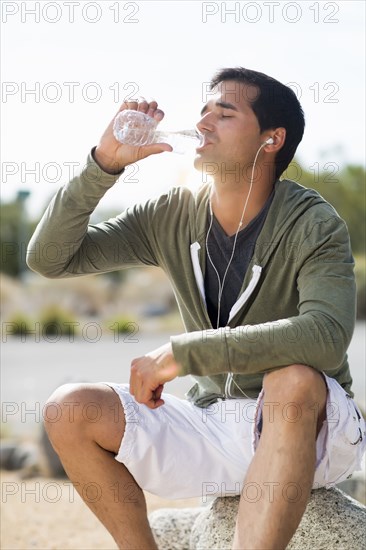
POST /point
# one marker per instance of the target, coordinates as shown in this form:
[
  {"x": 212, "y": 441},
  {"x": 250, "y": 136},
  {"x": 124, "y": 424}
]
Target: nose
[{"x": 205, "y": 124}]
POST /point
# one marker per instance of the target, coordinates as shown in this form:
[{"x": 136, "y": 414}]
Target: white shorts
[{"x": 181, "y": 451}]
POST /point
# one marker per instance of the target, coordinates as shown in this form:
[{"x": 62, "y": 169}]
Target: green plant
[
  {"x": 122, "y": 325},
  {"x": 360, "y": 272},
  {"x": 55, "y": 322}
]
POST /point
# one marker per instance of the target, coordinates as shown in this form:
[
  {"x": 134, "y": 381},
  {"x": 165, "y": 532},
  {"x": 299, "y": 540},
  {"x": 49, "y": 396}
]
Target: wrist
[
  {"x": 171, "y": 360},
  {"x": 106, "y": 163}
]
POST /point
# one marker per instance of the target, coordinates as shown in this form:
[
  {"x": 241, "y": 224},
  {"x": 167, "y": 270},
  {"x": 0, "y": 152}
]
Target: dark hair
[{"x": 274, "y": 104}]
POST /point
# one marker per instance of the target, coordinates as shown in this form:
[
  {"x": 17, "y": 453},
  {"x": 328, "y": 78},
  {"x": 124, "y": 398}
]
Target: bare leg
[
  {"x": 281, "y": 473},
  {"x": 86, "y": 435}
]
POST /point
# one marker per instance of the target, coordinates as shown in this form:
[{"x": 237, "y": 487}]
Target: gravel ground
[{"x": 48, "y": 514}]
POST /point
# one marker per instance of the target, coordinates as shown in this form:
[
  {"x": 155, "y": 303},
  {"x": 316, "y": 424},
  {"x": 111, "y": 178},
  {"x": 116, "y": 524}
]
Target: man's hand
[
  {"x": 149, "y": 374},
  {"x": 113, "y": 156}
]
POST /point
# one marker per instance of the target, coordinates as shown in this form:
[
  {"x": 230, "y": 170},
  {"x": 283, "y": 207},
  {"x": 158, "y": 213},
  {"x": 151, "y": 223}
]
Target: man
[{"x": 263, "y": 275}]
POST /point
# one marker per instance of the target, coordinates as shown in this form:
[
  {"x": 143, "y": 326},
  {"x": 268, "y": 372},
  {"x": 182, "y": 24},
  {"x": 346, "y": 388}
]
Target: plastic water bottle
[{"x": 136, "y": 128}]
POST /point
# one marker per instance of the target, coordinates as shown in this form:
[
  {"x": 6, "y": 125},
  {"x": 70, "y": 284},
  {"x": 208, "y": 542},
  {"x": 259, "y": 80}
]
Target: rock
[
  {"x": 50, "y": 464},
  {"x": 355, "y": 486},
  {"x": 332, "y": 520},
  {"x": 19, "y": 456},
  {"x": 31, "y": 459},
  {"x": 214, "y": 527},
  {"x": 172, "y": 527}
]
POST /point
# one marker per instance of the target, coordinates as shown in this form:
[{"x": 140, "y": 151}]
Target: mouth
[{"x": 204, "y": 143}]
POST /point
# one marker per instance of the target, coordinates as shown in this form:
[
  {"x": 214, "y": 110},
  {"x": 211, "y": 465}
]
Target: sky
[{"x": 68, "y": 65}]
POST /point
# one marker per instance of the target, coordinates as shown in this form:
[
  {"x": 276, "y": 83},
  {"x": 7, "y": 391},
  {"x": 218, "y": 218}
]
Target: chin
[
  {"x": 198, "y": 162},
  {"x": 205, "y": 164}
]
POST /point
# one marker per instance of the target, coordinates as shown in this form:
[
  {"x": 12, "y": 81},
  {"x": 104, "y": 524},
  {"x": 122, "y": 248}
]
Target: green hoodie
[{"x": 296, "y": 304}]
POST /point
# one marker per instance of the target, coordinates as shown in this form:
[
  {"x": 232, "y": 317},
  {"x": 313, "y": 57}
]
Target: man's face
[{"x": 229, "y": 126}]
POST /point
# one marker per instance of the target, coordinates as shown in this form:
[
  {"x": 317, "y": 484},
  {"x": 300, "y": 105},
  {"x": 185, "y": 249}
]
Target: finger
[
  {"x": 144, "y": 151},
  {"x": 158, "y": 392},
  {"x": 132, "y": 380},
  {"x": 141, "y": 390},
  {"x": 127, "y": 105},
  {"x": 154, "y": 404},
  {"x": 140, "y": 104},
  {"x": 148, "y": 108},
  {"x": 143, "y": 105},
  {"x": 153, "y": 105},
  {"x": 155, "y": 148},
  {"x": 132, "y": 104},
  {"x": 158, "y": 115}
]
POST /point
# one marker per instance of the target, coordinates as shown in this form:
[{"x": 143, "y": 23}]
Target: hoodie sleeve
[
  {"x": 65, "y": 245},
  {"x": 318, "y": 336}
]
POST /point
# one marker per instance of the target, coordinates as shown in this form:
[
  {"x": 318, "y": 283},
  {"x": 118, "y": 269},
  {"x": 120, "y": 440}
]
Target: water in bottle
[{"x": 136, "y": 128}]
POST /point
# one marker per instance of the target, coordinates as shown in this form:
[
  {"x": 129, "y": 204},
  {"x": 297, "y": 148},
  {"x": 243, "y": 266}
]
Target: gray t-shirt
[{"x": 220, "y": 247}]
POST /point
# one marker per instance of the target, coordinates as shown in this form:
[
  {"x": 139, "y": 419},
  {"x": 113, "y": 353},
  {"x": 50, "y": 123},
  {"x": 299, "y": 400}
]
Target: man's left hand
[{"x": 149, "y": 374}]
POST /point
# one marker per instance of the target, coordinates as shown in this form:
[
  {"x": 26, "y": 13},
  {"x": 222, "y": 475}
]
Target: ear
[{"x": 278, "y": 135}]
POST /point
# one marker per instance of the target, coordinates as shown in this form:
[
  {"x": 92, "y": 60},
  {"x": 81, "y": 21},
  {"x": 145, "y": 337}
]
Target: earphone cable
[{"x": 222, "y": 283}]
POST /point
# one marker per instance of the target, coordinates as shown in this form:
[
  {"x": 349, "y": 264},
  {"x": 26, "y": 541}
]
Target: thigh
[
  {"x": 182, "y": 451},
  {"x": 342, "y": 438}
]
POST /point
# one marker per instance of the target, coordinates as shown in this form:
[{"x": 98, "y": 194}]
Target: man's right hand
[{"x": 112, "y": 156}]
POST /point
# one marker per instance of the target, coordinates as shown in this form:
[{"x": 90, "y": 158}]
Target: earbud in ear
[{"x": 269, "y": 141}]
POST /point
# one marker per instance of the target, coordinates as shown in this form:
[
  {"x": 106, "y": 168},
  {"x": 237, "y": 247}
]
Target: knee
[
  {"x": 82, "y": 410},
  {"x": 298, "y": 382},
  {"x": 62, "y": 412},
  {"x": 80, "y": 413}
]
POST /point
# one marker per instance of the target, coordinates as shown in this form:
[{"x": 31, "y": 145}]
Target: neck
[{"x": 228, "y": 201}]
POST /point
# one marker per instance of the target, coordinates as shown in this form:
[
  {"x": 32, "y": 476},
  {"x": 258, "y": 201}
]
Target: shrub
[
  {"x": 58, "y": 322},
  {"x": 360, "y": 272},
  {"x": 122, "y": 325}
]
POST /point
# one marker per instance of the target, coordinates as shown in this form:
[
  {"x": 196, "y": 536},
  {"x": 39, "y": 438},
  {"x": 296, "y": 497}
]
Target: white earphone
[
  {"x": 268, "y": 141},
  {"x": 221, "y": 284}
]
